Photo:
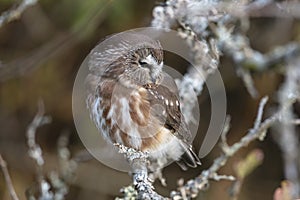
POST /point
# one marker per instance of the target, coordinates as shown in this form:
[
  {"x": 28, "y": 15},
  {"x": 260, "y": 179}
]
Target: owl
[{"x": 133, "y": 102}]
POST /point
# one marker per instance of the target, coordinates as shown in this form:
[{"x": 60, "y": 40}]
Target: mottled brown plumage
[{"x": 134, "y": 103}]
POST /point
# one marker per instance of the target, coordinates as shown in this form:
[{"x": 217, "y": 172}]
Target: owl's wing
[{"x": 172, "y": 119}]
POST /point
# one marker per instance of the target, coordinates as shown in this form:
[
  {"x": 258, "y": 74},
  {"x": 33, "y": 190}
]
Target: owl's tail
[{"x": 188, "y": 158}]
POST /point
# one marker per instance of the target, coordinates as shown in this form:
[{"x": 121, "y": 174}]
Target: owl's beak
[
  {"x": 154, "y": 67},
  {"x": 155, "y": 71}
]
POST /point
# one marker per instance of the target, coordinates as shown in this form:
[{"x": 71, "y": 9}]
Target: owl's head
[
  {"x": 130, "y": 58},
  {"x": 144, "y": 65}
]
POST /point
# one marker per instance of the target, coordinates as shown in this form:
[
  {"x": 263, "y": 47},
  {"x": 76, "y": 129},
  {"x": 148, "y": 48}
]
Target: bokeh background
[{"x": 40, "y": 54}]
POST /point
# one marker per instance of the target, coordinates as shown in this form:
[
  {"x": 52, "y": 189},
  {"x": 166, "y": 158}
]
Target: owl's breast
[{"x": 124, "y": 115}]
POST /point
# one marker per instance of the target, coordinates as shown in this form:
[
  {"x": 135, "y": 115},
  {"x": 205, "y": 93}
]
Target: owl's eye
[{"x": 142, "y": 63}]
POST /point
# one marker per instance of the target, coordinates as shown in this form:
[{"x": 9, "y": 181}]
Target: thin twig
[
  {"x": 246, "y": 77},
  {"x": 8, "y": 181},
  {"x": 39, "y": 120},
  {"x": 193, "y": 186},
  {"x": 296, "y": 122},
  {"x": 15, "y": 13},
  {"x": 260, "y": 112},
  {"x": 35, "y": 151}
]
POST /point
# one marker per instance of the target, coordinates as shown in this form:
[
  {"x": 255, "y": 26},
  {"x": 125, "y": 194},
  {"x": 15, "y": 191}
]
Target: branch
[
  {"x": 15, "y": 13},
  {"x": 39, "y": 120},
  {"x": 143, "y": 185},
  {"x": 8, "y": 181},
  {"x": 138, "y": 160},
  {"x": 237, "y": 46},
  {"x": 287, "y": 136},
  {"x": 67, "y": 164},
  {"x": 205, "y": 62},
  {"x": 56, "y": 184},
  {"x": 60, "y": 179},
  {"x": 209, "y": 28},
  {"x": 214, "y": 19},
  {"x": 35, "y": 151},
  {"x": 193, "y": 186}
]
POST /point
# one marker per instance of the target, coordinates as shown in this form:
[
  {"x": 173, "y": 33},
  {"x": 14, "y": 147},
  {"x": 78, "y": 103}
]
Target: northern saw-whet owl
[{"x": 134, "y": 103}]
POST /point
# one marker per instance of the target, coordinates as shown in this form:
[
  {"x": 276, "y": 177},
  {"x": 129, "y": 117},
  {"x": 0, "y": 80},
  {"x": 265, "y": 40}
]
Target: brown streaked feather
[
  {"x": 112, "y": 133},
  {"x": 118, "y": 47},
  {"x": 114, "y": 69},
  {"x": 139, "y": 107},
  {"x": 149, "y": 143},
  {"x": 174, "y": 121},
  {"x": 161, "y": 95},
  {"x": 125, "y": 139}
]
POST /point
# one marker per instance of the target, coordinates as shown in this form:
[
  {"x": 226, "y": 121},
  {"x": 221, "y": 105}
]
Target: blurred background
[{"x": 40, "y": 54}]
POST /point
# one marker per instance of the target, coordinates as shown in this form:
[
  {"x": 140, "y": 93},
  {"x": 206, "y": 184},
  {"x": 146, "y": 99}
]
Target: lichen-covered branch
[
  {"x": 35, "y": 151},
  {"x": 143, "y": 188},
  {"x": 237, "y": 46},
  {"x": 218, "y": 20},
  {"x": 286, "y": 134},
  {"x": 205, "y": 55},
  {"x": 16, "y": 12},
  {"x": 7, "y": 179},
  {"x": 208, "y": 27},
  {"x": 67, "y": 164},
  {"x": 193, "y": 186},
  {"x": 205, "y": 62},
  {"x": 65, "y": 174},
  {"x": 56, "y": 185}
]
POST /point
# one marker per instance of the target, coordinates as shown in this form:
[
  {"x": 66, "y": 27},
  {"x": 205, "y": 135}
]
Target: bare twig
[
  {"x": 39, "y": 120},
  {"x": 56, "y": 185},
  {"x": 67, "y": 165},
  {"x": 237, "y": 46},
  {"x": 286, "y": 135},
  {"x": 35, "y": 151},
  {"x": 61, "y": 178},
  {"x": 296, "y": 122},
  {"x": 204, "y": 11},
  {"x": 15, "y": 13},
  {"x": 246, "y": 77},
  {"x": 202, "y": 18},
  {"x": 198, "y": 20},
  {"x": 193, "y": 186},
  {"x": 248, "y": 59},
  {"x": 260, "y": 112},
  {"x": 8, "y": 181}
]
